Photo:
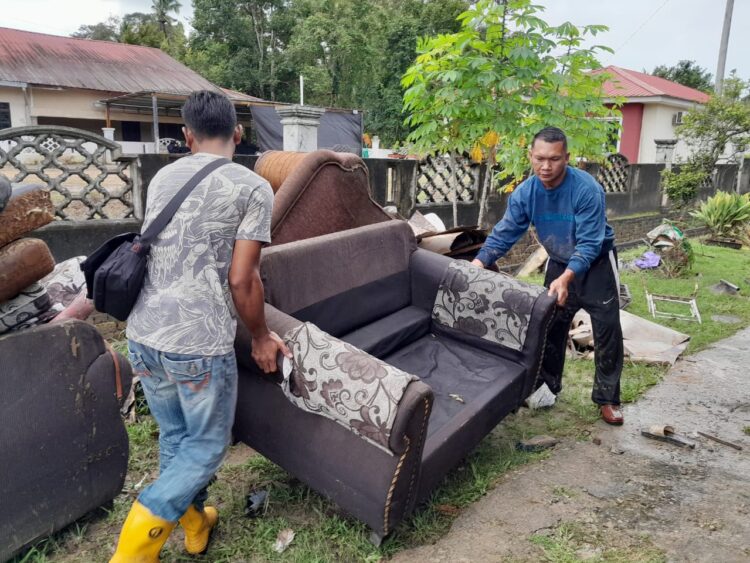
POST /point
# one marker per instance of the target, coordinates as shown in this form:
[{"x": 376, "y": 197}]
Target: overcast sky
[{"x": 644, "y": 33}]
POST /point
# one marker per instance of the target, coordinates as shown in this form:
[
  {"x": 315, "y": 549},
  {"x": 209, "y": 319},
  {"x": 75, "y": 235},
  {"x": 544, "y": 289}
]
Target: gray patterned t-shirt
[{"x": 185, "y": 306}]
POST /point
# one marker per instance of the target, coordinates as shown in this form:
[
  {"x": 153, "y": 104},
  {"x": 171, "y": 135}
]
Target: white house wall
[
  {"x": 657, "y": 124},
  {"x": 83, "y": 104},
  {"x": 14, "y": 97}
]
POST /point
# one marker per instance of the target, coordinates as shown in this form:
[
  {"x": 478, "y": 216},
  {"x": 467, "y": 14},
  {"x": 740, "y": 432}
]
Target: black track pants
[{"x": 598, "y": 294}]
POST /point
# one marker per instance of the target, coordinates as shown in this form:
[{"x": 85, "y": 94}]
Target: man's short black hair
[
  {"x": 209, "y": 115},
  {"x": 551, "y": 135}
]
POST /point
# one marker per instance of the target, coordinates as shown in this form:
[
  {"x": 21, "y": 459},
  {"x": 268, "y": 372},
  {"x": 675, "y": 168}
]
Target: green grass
[
  {"x": 325, "y": 534},
  {"x": 571, "y": 542},
  {"x": 712, "y": 263},
  {"x": 746, "y": 430}
]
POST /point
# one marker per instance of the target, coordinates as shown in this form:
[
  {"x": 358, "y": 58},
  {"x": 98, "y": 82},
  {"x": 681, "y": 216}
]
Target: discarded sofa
[
  {"x": 364, "y": 312},
  {"x": 317, "y": 193},
  {"x": 63, "y": 442}
]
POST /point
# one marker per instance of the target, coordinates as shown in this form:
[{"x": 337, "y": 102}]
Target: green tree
[
  {"x": 162, "y": 9},
  {"x": 504, "y": 75},
  {"x": 687, "y": 73},
  {"x": 104, "y": 31},
  {"x": 138, "y": 28},
  {"x": 718, "y": 131},
  {"x": 721, "y": 128},
  {"x": 333, "y": 45},
  {"x": 407, "y": 21},
  {"x": 242, "y": 45}
]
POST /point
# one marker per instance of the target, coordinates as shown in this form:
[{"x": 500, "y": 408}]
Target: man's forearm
[{"x": 249, "y": 302}]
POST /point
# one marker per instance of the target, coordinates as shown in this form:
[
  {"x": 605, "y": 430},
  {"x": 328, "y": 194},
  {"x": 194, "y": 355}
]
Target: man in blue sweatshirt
[{"x": 566, "y": 206}]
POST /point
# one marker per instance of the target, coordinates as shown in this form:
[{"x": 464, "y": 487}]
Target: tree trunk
[
  {"x": 487, "y": 185},
  {"x": 454, "y": 186}
]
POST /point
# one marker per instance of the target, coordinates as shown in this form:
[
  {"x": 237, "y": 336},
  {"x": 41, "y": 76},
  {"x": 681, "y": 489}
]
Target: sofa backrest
[
  {"x": 341, "y": 281},
  {"x": 317, "y": 193}
]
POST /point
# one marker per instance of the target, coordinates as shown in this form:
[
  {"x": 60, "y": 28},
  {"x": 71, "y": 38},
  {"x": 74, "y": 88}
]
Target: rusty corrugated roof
[
  {"x": 51, "y": 60},
  {"x": 236, "y": 96},
  {"x": 632, "y": 84}
]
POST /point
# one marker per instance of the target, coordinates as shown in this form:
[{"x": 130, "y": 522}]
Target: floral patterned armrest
[
  {"x": 485, "y": 304},
  {"x": 334, "y": 379}
]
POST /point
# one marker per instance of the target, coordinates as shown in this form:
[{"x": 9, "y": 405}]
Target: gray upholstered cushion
[
  {"x": 334, "y": 379},
  {"x": 486, "y": 304}
]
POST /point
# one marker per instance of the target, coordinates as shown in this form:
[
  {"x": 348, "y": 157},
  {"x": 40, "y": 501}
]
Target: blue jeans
[{"x": 193, "y": 399}]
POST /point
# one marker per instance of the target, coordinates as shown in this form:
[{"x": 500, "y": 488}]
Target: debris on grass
[
  {"x": 448, "y": 509},
  {"x": 541, "y": 398},
  {"x": 652, "y": 299},
  {"x": 257, "y": 503},
  {"x": 537, "y": 443},
  {"x": 283, "y": 540},
  {"x": 648, "y": 261},
  {"x": 726, "y": 319},
  {"x": 724, "y": 288}
]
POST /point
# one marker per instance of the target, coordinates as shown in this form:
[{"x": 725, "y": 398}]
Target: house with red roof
[
  {"x": 91, "y": 85},
  {"x": 653, "y": 108}
]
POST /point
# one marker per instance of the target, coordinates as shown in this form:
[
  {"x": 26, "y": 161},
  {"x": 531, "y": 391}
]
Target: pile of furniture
[
  {"x": 23, "y": 261},
  {"x": 63, "y": 442}
]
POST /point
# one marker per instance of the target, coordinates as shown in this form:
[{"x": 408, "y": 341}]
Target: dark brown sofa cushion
[
  {"x": 64, "y": 445},
  {"x": 324, "y": 192}
]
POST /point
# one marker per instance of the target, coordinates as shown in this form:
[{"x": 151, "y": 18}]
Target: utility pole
[{"x": 723, "y": 47}]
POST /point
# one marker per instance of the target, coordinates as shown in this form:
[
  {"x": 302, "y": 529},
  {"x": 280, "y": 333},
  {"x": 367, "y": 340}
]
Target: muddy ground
[{"x": 629, "y": 498}]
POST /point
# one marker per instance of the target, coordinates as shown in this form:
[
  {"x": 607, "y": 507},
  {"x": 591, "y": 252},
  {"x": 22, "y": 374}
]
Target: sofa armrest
[
  {"x": 410, "y": 426},
  {"x": 334, "y": 379},
  {"x": 426, "y": 270}
]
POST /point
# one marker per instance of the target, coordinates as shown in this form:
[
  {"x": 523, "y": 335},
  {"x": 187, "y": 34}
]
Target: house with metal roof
[
  {"x": 133, "y": 93},
  {"x": 653, "y": 108}
]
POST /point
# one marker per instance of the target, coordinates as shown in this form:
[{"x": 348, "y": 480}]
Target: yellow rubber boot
[
  {"x": 142, "y": 537},
  {"x": 198, "y": 526}
]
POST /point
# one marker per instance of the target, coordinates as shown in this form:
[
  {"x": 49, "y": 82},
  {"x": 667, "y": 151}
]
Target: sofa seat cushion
[
  {"x": 390, "y": 333},
  {"x": 454, "y": 371}
]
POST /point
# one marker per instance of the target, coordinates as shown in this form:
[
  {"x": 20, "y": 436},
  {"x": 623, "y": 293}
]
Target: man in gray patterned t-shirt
[{"x": 202, "y": 273}]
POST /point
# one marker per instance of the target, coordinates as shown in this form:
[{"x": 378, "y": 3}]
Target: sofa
[
  {"x": 403, "y": 361},
  {"x": 63, "y": 442}
]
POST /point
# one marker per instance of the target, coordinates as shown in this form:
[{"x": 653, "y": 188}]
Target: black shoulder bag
[{"x": 115, "y": 271}]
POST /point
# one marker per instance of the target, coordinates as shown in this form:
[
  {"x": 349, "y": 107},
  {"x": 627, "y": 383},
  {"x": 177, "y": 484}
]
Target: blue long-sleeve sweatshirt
[{"x": 570, "y": 221}]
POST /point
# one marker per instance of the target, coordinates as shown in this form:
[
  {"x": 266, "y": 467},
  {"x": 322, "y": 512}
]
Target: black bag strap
[{"x": 166, "y": 214}]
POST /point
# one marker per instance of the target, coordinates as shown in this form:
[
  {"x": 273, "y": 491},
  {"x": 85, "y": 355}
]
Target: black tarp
[{"x": 337, "y": 129}]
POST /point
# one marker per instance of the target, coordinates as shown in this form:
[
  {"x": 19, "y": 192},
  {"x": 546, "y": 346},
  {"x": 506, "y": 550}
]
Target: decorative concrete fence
[
  {"x": 86, "y": 174},
  {"x": 99, "y": 192},
  {"x": 96, "y": 190}
]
